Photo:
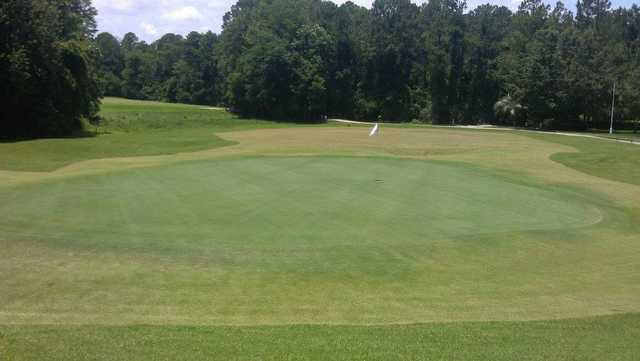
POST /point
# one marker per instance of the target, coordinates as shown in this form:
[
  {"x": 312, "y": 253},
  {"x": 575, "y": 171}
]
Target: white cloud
[
  {"x": 121, "y": 5},
  {"x": 218, "y": 5},
  {"x": 148, "y": 29},
  {"x": 183, "y": 13}
]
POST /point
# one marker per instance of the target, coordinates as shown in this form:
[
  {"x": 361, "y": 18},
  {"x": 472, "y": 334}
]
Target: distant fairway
[{"x": 263, "y": 240}]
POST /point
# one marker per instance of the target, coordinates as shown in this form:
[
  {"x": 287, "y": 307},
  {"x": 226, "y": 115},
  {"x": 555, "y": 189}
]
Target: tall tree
[
  {"x": 194, "y": 78},
  {"x": 47, "y": 78},
  {"x": 111, "y": 64},
  {"x": 311, "y": 44},
  {"x": 488, "y": 26},
  {"x": 394, "y": 34},
  {"x": 445, "y": 44}
]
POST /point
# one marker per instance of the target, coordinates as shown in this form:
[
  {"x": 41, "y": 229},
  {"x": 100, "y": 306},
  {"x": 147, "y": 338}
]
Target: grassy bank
[{"x": 130, "y": 128}]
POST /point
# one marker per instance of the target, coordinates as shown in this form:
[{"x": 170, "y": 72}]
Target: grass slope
[
  {"x": 49, "y": 154},
  {"x": 601, "y": 158},
  {"x": 130, "y": 128},
  {"x": 591, "y": 339},
  {"x": 133, "y": 116}
]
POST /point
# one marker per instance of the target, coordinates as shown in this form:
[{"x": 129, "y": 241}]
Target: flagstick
[{"x": 613, "y": 104}]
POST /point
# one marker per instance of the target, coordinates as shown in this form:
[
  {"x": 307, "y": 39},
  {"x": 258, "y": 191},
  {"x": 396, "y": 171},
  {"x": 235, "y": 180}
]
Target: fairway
[{"x": 320, "y": 234}]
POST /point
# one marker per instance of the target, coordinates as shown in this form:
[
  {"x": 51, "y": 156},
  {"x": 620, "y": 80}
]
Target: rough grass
[
  {"x": 452, "y": 226},
  {"x": 601, "y": 158},
  {"x": 135, "y": 116},
  {"x": 50, "y": 154},
  {"x": 129, "y": 128}
]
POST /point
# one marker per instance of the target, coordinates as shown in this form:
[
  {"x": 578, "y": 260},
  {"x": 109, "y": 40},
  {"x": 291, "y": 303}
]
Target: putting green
[
  {"x": 284, "y": 203},
  {"x": 322, "y": 239}
]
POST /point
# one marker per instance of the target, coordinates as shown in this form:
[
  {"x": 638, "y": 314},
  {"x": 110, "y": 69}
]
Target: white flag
[{"x": 374, "y": 131}]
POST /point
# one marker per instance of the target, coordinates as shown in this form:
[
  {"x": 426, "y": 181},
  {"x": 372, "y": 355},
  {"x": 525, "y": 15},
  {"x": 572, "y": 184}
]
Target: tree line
[
  {"x": 438, "y": 62},
  {"x": 47, "y": 71},
  {"x": 539, "y": 66},
  {"x": 172, "y": 69}
]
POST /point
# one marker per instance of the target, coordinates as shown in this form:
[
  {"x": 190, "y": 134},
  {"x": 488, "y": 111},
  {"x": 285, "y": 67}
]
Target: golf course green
[
  {"x": 284, "y": 203},
  {"x": 269, "y": 241}
]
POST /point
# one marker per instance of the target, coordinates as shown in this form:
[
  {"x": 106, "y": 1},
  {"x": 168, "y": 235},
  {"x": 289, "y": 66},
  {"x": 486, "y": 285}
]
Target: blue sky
[{"x": 150, "y": 19}]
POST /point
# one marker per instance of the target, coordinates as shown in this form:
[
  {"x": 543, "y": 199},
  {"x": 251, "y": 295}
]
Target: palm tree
[{"x": 507, "y": 108}]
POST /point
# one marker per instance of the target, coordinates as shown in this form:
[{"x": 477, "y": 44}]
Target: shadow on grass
[{"x": 75, "y": 135}]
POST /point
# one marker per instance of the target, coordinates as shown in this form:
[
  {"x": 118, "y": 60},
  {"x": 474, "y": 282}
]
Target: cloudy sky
[{"x": 150, "y": 19}]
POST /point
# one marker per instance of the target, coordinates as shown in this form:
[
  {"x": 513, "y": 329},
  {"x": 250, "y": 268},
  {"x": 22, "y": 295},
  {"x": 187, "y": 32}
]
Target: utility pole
[{"x": 613, "y": 104}]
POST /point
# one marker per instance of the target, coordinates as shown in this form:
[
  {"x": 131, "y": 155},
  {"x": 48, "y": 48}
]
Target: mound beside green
[
  {"x": 129, "y": 128},
  {"x": 599, "y": 157}
]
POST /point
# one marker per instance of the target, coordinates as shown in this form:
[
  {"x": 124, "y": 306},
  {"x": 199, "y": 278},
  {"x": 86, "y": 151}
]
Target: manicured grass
[
  {"x": 284, "y": 203},
  {"x": 591, "y": 339},
  {"x": 317, "y": 242},
  {"x": 49, "y": 154},
  {"x": 369, "y": 240},
  {"x": 130, "y": 128},
  {"x": 134, "y": 116},
  {"x": 601, "y": 158}
]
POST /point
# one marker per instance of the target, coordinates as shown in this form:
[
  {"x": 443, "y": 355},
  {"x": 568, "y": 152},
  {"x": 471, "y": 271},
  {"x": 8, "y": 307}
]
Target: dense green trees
[
  {"x": 487, "y": 29},
  {"x": 111, "y": 64},
  {"x": 303, "y": 59},
  {"x": 562, "y": 69},
  {"x": 539, "y": 66},
  {"x": 173, "y": 68},
  {"x": 47, "y": 70}
]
